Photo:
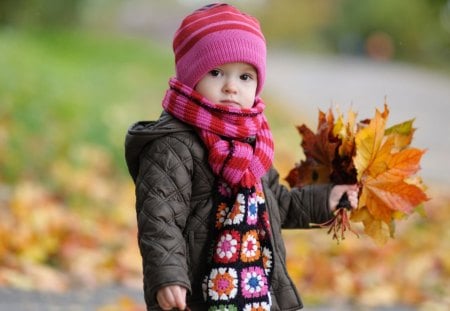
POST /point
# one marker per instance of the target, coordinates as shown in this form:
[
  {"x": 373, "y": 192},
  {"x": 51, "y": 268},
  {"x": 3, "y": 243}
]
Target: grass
[{"x": 62, "y": 89}]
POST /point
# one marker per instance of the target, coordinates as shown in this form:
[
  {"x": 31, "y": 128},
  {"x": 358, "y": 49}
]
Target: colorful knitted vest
[{"x": 240, "y": 148}]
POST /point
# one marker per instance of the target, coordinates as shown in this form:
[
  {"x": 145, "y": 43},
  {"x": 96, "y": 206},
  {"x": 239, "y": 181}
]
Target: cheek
[
  {"x": 251, "y": 94},
  {"x": 249, "y": 101},
  {"x": 207, "y": 90},
  {"x": 202, "y": 87}
]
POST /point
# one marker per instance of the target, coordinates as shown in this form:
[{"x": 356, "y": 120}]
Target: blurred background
[{"x": 75, "y": 74}]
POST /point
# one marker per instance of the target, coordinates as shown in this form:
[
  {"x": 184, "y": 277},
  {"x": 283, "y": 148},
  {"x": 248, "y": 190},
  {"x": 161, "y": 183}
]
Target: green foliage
[
  {"x": 59, "y": 90},
  {"x": 409, "y": 30},
  {"x": 414, "y": 26},
  {"x": 296, "y": 23},
  {"x": 40, "y": 12}
]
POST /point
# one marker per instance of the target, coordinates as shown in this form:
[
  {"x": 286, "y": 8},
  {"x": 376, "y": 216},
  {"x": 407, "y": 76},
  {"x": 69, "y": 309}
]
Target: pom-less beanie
[{"x": 214, "y": 35}]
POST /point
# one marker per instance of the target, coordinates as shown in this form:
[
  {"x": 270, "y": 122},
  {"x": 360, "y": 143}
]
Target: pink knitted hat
[{"x": 214, "y": 35}]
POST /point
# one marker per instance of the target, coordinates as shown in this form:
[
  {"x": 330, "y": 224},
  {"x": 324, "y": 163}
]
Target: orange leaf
[
  {"x": 406, "y": 162},
  {"x": 386, "y": 195}
]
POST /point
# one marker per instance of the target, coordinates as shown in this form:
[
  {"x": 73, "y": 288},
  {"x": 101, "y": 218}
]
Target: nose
[{"x": 230, "y": 86}]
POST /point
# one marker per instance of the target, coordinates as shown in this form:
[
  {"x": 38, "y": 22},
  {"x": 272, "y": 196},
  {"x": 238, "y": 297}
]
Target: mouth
[{"x": 229, "y": 102}]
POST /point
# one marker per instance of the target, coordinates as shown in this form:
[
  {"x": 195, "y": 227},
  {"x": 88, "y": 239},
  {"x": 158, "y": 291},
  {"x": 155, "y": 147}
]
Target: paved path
[
  {"x": 79, "y": 300},
  {"x": 308, "y": 83},
  {"x": 93, "y": 300}
]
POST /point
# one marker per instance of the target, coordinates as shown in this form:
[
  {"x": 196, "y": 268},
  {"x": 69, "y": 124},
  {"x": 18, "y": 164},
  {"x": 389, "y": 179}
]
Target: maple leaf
[
  {"x": 402, "y": 133},
  {"x": 386, "y": 191},
  {"x": 344, "y": 171},
  {"x": 308, "y": 172},
  {"x": 380, "y": 160},
  {"x": 321, "y": 146},
  {"x": 319, "y": 149},
  {"x": 368, "y": 141},
  {"x": 384, "y": 162},
  {"x": 346, "y": 133},
  {"x": 378, "y": 230}
]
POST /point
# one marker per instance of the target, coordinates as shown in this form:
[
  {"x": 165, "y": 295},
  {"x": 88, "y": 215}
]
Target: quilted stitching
[
  {"x": 165, "y": 198},
  {"x": 173, "y": 217}
]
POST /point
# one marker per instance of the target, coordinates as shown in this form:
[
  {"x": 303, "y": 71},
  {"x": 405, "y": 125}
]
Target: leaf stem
[{"x": 338, "y": 225}]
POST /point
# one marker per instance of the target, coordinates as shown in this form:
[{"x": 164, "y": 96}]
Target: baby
[{"x": 209, "y": 204}]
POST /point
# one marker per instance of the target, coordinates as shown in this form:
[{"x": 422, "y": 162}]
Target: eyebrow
[{"x": 250, "y": 68}]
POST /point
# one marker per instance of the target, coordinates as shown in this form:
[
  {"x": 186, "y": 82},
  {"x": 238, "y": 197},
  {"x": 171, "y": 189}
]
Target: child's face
[{"x": 231, "y": 84}]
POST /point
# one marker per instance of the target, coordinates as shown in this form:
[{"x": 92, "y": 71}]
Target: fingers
[
  {"x": 353, "y": 187},
  {"x": 165, "y": 298},
  {"x": 352, "y": 194},
  {"x": 173, "y": 296},
  {"x": 180, "y": 297},
  {"x": 339, "y": 190},
  {"x": 352, "y": 197}
]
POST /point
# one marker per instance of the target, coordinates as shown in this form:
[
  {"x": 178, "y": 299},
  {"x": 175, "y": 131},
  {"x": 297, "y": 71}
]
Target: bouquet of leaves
[{"x": 379, "y": 159}]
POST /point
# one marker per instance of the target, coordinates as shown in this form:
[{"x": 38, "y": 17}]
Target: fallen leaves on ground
[
  {"x": 79, "y": 231},
  {"x": 411, "y": 269},
  {"x": 73, "y": 237},
  {"x": 124, "y": 303}
]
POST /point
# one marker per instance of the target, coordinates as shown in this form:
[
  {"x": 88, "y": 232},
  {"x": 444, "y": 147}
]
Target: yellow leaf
[
  {"x": 378, "y": 230},
  {"x": 368, "y": 141},
  {"x": 346, "y": 133},
  {"x": 380, "y": 163}
]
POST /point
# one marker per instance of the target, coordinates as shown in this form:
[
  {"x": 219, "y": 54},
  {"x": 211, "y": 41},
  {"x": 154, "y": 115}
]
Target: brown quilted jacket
[{"x": 174, "y": 184}]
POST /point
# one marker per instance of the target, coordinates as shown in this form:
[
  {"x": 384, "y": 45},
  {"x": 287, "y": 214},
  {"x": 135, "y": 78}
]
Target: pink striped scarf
[{"x": 224, "y": 131}]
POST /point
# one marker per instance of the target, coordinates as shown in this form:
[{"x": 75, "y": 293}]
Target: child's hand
[
  {"x": 337, "y": 192},
  {"x": 172, "y": 297}
]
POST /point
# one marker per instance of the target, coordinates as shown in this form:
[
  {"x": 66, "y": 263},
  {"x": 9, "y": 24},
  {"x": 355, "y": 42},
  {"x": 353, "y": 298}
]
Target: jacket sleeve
[
  {"x": 298, "y": 208},
  {"x": 163, "y": 191}
]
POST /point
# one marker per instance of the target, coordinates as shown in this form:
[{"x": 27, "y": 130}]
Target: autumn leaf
[
  {"x": 345, "y": 131},
  {"x": 368, "y": 141},
  {"x": 380, "y": 160},
  {"x": 309, "y": 172},
  {"x": 402, "y": 133},
  {"x": 383, "y": 163},
  {"x": 321, "y": 146},
  {"x": 387, "y": 189},
  {"x": 344, "y": 171},
  {"x": 384, "y": 197},
  {"x": 378, "y": 230},
  {"x": 319, "y": 149}
]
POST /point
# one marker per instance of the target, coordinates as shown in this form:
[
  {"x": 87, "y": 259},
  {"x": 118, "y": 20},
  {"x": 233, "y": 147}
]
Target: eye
[
  {"x": 215, "y": 72},
  {"x": 246, "y": 77}
]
